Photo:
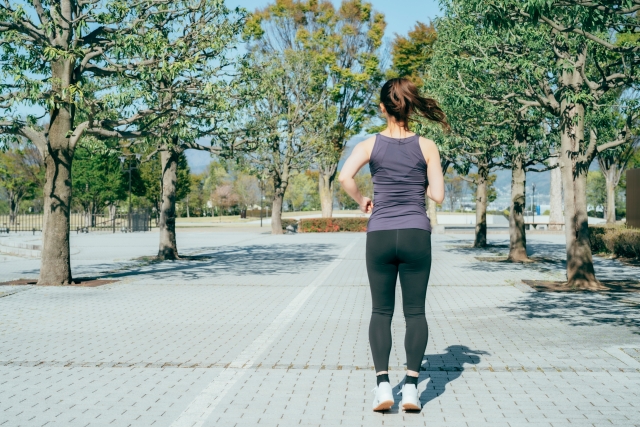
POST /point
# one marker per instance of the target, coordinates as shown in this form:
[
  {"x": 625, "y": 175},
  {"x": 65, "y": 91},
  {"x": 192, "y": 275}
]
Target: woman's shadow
[{"x": 438, "y": 370}]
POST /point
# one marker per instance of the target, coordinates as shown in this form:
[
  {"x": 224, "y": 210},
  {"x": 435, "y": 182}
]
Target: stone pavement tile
[
  {"x": 172, "y": 327},
  {"x": 496, "y": 354},
  {"x": 140, "y": 402}
]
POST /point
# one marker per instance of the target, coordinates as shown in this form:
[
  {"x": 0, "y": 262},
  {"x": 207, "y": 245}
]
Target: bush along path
[
  {"x": 620, "y": 241},
  {"x": 332, "y": 225}
]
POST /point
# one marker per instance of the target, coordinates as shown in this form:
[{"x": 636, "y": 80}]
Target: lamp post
[{"x": 132, "y": 166}]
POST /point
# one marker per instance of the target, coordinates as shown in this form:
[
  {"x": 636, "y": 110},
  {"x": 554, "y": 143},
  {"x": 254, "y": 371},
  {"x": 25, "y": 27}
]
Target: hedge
[
  {"x": 332, "y": 225},
  {"x": 620, "y": 241}
]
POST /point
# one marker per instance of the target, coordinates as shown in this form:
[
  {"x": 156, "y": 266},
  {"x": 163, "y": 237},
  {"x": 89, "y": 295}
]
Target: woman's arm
[
  {"x": 358, "y": 158},
  {"x": 435, "y": 190}
]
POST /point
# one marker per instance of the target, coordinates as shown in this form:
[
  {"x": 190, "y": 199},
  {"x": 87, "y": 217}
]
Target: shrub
[
  {"x": 596, "y": 235},
  {"x": 620, "y": 241},
  {"x": 287, "y": 222},
  {"x": 332, "y": 225},
  {"x": 623, "y": 242}
]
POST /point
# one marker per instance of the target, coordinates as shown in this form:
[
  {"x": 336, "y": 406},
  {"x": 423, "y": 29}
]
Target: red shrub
[{"x": 332, "y": 225}]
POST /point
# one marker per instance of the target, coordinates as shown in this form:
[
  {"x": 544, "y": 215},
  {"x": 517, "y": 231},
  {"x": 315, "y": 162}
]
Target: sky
[{"x": 401, "y": 17}]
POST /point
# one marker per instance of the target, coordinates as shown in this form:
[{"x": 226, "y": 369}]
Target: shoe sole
[
  {"x": 384, "y": 406},
  {"x": 410, "y": 407}
]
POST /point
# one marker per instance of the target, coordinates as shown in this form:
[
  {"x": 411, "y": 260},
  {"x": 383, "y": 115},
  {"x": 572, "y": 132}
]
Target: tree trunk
[
  {"x": 517, "y": 235},
  {"x": 326, "y": 185},
  {"x": 55, "y": 263},
  {"x": 432, "y": 212},
  {"x": 276, "y": 212},
  {"x": 555, "y": 196},
  {"x": 14, "y": 204},
  {"x": 610, "y": 178},
  {"x": 188, "y": 216},
  {"x": 580, "y": 271},
  {"x": 481, "y": 208},
  {"x": 167, "y": 225},
  {"x": 87, "y": 217},
  {"x": 112, "y": 211}
]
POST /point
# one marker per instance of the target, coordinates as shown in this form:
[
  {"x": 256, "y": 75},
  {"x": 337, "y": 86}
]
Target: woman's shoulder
[
  {"x": 428, "y": 147},
  {"x": 367, "y": 144},
  {"x": 426, "y": 142}
]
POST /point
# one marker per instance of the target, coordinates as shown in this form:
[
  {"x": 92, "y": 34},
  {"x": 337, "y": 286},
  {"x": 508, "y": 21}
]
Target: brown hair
[{"x": 402, "y": 100}]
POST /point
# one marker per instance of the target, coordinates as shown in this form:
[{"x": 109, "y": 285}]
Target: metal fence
[
  {"x": 257, "y": 213},
  {"x": 81, "y": 222}
]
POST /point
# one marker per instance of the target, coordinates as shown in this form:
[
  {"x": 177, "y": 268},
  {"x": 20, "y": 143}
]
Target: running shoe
[
  {"x": 410, "y": 398},
  {"x": 384, "y": 397}
]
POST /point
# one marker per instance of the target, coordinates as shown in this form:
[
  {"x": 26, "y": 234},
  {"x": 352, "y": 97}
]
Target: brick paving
[{"x": 272, "y": 330}]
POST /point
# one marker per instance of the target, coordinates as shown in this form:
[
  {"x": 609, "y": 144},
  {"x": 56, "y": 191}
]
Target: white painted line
[
  {"x": 204, "y": 404},
  {"x": 623, "y": 357}
]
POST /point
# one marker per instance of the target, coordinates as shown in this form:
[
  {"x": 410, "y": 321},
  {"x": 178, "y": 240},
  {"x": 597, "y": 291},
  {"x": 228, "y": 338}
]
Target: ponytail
[{"x": 402, "y": 100}]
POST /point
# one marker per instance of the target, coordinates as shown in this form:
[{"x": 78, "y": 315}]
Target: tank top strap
[{"x": 417, "y": 150}]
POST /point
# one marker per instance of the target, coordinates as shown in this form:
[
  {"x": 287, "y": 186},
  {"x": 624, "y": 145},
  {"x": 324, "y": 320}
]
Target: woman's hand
[{"x": 366, "y": 205}]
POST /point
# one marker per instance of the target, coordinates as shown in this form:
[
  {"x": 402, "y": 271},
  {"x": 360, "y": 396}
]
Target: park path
[{"x": 272, "y": 330}]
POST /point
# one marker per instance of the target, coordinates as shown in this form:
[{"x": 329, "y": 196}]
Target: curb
[{"x": 20, "y": 249}]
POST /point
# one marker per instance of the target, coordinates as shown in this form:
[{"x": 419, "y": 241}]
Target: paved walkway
[{"x": 272, "y": 330}]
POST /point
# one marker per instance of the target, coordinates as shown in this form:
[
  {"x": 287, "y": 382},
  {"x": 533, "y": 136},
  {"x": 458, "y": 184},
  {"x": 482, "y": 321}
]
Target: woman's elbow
[{"x": 438, "y": 197}]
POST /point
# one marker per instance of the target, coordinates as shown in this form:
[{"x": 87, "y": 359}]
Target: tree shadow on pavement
[
  {"x": 236, "y": 261},
  {"x": 579, "y": 309},
  {"x": 441, "y": 369},
  {"x": 548, "y": 257}
]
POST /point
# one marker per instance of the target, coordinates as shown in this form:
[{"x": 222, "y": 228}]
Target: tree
[
  {"x": 198, "y": 91},
  {"x": 21, "y": 175},
  {"x": 62, "y": 57},
  {"x": 412, "y": 55},
  {"x": 313, "y": 198},
  {"x": 151, "y": 175},
  {"x": 247, "y": 189},
  {"x": 98, "y": 180},
  {"x": 555, "y": 197},
  {"x": 455, "y": 187},
  {"x": 223, "y": 197},
  {"x": 479, "y": 127},
  {"x": 594, "y": 51},
  {"x": 470, "y": 55},
  {"x": 616, "y": 121},
  {"x": 492, "y": 194},
  {"x": 284, "y": 94},
  {"x": 346, "y": 44},
  {"x": 300, "y": 189},
  {"x": 216, "y": 175},
  {"x": 596, "y": 190}
]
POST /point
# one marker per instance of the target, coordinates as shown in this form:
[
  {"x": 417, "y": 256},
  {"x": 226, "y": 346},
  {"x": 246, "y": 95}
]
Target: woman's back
[{"x": 399, "y": 174}]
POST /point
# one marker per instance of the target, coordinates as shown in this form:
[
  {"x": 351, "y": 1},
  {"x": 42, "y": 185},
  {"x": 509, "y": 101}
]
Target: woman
[{"x": 403, "y": 167}]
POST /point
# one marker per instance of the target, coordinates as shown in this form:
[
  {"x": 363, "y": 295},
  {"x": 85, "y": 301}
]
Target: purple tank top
[{"x": 399, "y": 175}]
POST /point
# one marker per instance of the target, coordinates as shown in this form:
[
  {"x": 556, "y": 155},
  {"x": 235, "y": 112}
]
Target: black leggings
[{"x": 407, "y": 252}]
